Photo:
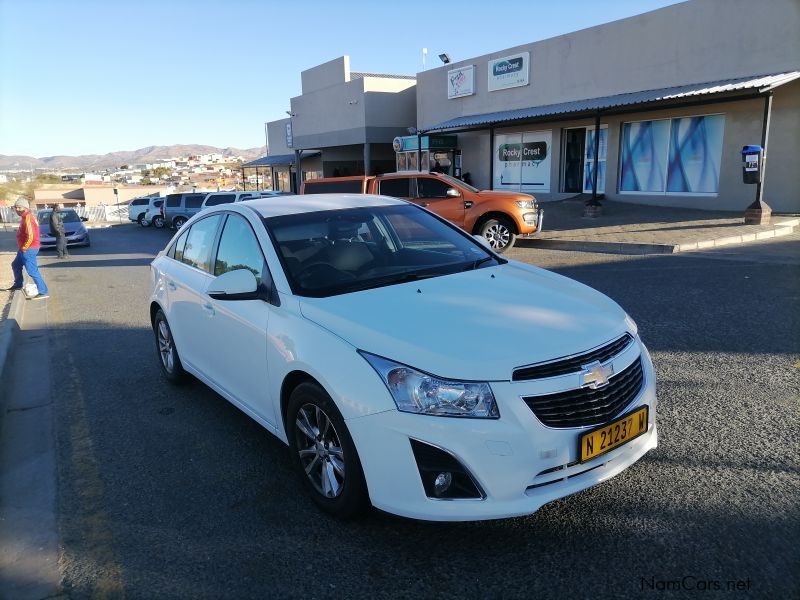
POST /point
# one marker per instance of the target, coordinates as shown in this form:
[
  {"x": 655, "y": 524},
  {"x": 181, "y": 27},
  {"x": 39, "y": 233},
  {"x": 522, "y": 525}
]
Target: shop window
[
  {"x": 672, "y": 156},
  {"x": 522, "y": 161},
  {"x": 588, "y": 160}
]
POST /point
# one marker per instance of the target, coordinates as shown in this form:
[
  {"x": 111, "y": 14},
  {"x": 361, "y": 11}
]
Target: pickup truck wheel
[
  {"x": 500, "y": 234},
  {"x": 158, "y": 222}
]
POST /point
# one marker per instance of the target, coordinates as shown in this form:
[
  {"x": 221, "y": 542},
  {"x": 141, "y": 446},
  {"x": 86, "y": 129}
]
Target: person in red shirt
[{"x": 28, "y": 244}]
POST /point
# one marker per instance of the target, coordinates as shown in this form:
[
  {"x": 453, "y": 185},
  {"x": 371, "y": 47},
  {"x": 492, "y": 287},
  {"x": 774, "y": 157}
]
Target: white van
[{"x": 216, "y": 198}]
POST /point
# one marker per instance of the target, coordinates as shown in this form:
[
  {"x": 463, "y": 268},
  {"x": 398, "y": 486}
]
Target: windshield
[
  {"x": 70, "y": 216},
  {"x": 457, "y": 182},
  {"x": 340, "y": 251}
]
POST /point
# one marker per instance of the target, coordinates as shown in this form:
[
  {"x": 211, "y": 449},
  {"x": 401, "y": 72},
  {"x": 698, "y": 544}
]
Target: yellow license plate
[{"x": 613, "y": 435}]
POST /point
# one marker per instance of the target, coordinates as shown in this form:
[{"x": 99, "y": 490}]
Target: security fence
[{"x": 102, "y": 213}]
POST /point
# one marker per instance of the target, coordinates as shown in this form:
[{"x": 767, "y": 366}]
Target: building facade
[
  {"x": 343, "y": 123},
  {"x": 675, "y": 93}
]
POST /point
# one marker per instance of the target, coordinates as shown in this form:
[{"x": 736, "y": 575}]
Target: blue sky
[{"x": 96, "y": 76}]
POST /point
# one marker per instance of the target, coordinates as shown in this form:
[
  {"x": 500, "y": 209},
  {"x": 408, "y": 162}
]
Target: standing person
[
  {"x": 28, "y": 244},
  {"x": 57, "y": 230}
]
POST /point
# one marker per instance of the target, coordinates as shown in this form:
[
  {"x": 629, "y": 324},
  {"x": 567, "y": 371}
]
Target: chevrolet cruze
[{"x": 404, "y": 363}]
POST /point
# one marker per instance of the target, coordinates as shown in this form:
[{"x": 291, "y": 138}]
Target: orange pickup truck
[{"x": 497, "y": 216}]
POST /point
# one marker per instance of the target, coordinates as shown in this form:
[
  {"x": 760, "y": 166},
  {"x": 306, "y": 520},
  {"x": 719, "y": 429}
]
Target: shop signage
[
  {"x": 289, "y": 140},
  {"x": 461, "y": 82},
  {"x": 522, "y": 161},
  {"x": 509, "y": 71},
  {"x": 409, "y": 142},
  {"x": 526, "y": 151}
]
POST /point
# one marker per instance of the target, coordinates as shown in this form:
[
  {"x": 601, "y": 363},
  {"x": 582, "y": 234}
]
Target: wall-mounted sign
[
  {"x": 289, "y": 140},
  {"x": 461, "y": 82},
  {"x": 522, "y": 161},
  {"x": 509, "y": 71}
]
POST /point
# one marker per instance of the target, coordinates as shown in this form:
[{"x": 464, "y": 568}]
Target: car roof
[{"x": 290, "y": 205}]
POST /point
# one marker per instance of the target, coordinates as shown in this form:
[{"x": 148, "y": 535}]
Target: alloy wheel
[
  {"x": 320, "y": 450},
  {"x": 165, "y": 346},
  {"x": 498, "y": 235}
]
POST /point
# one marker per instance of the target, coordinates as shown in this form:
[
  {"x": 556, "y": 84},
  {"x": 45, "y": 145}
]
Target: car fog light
[
  {"x": 529, "y": 218},
  {"x": 442, "y": 483}
]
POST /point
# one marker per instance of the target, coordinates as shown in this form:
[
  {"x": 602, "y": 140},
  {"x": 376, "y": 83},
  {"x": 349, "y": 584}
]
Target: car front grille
[
  {"x": 572, "y": 364},
  {"x": 587, "y": 406}
]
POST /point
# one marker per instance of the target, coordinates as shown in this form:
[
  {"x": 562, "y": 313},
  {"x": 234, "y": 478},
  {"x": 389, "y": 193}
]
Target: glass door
[{"x": 588, "y": 166}]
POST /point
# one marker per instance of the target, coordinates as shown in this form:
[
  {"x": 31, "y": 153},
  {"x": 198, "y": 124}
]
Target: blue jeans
[{"x": 27, "y": 259}]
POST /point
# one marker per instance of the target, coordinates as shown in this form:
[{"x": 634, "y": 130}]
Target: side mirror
[
  {"x": 452, "y": 193},
  {"x": 240, "y": 284},
  {"x": 484, "y": 242}
]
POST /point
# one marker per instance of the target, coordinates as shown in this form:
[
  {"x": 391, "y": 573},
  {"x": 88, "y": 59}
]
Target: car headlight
[
  {"x": 417, "y": 392},
  {"x": 526, "y": 203},
  {"x": 631, "y": 324}
]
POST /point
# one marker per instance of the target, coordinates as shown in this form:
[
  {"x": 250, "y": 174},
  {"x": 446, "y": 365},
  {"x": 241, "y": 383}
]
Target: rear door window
[
  {"x": 215, "y": 199},
  {"x": 398, "y": 187},
  {"x": 194, "y": 200},
  {"x": 335, "y": 187},
  {"x": 200, "y": 242},
  {"x": 173, "y": 200}
]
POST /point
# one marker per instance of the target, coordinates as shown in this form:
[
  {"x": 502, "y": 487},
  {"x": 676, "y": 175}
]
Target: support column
[
  {"x": 759, "y": 212},
  {"x": 298, "y": 176},
  {"x": 367, "y": 161}
]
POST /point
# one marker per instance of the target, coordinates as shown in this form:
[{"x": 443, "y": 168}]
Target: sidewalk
[{"x": 637, "y": 229}]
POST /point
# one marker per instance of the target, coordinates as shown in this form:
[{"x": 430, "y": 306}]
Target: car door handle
[
  {"x": 172, "y": 286},
  {"x": 208, "y": 309}
]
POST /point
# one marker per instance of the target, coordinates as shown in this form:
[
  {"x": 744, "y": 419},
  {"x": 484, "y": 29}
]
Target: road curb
[
  {"x": 9, "y": 329},
  {"x": 777, "y": 230}
]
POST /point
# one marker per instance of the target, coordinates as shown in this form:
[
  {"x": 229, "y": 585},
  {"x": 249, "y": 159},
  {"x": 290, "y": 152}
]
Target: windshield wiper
[
  {"x": 474, "y": 265},
  {"x": 390, "y": 280}
]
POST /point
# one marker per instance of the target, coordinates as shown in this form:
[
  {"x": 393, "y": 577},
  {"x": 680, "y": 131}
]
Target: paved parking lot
[{"x": 172, "y": 492}]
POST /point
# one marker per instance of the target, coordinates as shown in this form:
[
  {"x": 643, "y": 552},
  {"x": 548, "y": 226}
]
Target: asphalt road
[{"x": 172, "y": 492}]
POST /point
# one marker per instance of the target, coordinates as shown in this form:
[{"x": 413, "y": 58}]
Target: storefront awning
[
  {"x": 278, "y": 159},
  {"x": 759, "y": 83}
]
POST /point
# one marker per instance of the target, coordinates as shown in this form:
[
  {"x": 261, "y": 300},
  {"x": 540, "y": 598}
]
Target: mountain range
[{"x": 114, "y": 160}]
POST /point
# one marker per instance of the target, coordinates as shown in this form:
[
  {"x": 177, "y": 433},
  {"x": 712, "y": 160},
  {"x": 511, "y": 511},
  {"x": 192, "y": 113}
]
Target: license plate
[{"x": 612, "y": 435}]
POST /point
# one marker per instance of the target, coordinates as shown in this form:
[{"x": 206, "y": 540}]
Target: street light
[{"x": 445, "y": 58}]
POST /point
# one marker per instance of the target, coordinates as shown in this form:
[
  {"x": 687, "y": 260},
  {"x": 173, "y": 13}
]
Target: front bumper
[
  {"x": 78, "y": 238},
  {"x": 532, "y": 220},
  {"x": 518, "y": 463}
]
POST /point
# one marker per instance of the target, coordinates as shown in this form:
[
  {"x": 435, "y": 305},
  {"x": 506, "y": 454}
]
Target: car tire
[
  {"x": 499, "y": 232},
  {"x": 324, "y": 454},
  {"x": 179, "y": 222},
  {"x": 158, "y": 222},
  {"x": 168, "y": 358},
  {"x": 144, "y": 222},
  {"x": 140, "y": 220}
]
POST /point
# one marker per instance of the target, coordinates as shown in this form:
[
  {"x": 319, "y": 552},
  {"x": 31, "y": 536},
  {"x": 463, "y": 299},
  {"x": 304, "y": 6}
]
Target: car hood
[
  {"x": 476, "y": 325},
  {"x": 501, "y": 195}
]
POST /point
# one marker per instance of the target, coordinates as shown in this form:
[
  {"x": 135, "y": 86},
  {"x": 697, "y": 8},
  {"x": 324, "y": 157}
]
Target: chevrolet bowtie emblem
[{"x": 595, "y": 375}]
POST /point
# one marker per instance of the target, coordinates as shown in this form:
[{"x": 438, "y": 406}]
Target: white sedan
[{"x": 405, "y": 364}]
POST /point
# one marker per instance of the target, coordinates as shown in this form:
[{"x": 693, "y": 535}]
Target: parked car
[
  {"x": 138, "y": 207},
  {"x": 217, "y": 198},
  {"x": 355, "y": 328},
  {"x": 498, "y": 216},
  {"x": 75, "y": 231},
  {"x": 154, "y": 215},
  {"x": 179, "y": 208}
]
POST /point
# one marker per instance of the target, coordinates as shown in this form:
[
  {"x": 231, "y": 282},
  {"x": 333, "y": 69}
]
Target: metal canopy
[
  {"x": 277, "y": 159},
  {"x": 761, "y": 83}
]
